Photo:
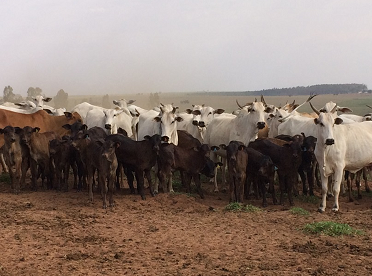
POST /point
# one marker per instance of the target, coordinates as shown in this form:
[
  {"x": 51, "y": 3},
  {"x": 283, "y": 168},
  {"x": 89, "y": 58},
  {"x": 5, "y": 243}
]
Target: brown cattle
[
  {"x": 13, "y": 156},
  {"x": 38, "y": 145}
]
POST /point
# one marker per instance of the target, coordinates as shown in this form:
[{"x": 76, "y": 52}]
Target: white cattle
[
  {"x": 110, "y": 119},
  {"x": 340, "y": 147},
  {"x": 243, "y": 128},
  {"x": 163, "y": 123},
  {"x": 197, "y": 120}
]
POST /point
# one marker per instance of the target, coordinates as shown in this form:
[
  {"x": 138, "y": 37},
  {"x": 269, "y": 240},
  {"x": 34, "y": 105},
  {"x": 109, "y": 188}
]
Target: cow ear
[
  {"x": 188, "y": 111},
  {"x": 68, "y": 115},
  {"x": 344, "y": 109},
  {"x": 84, "y": 127},
  {"x": 157, "y": 119},
  {"x": 67, "y": 126},
  {"x": 179, "y": 119},
  {"x": 48, "y": 111},
  {"x": 117, "y": 144},
  {"x": 215, "y": 148},
  {"x": 36, "y": 129},
  {"x": 1, "y": 131},
  {"x": 338, "y": 121},
  {"x": 269, "y": 109},
  {"x": 196, "y": 112},
  {"x": 47, "y": 99},
  {"x": 219, "y": 111},
  {"x": 147, "y": 137},
  {"x": 241, "y": 147},
  {"x": 316, "y": 121}
]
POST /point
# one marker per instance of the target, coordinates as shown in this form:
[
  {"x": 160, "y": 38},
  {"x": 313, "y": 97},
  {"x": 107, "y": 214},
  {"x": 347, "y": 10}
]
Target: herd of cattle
[{"x": 257, "y": 142}]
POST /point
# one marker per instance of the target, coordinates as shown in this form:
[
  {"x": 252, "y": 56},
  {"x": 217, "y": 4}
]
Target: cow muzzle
[
  {"x": 201, "y": 124},
  {"x": 195, "y": 122},
  {"x": 330, "y": 142},
  {"x": 260, "y": 125},
  {"x": 165, "y": 139},
  {"x": 107, "y": 126}
]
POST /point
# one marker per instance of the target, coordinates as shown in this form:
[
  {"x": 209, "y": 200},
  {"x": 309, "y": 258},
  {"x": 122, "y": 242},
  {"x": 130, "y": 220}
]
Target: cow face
[
  {"x": 110, "y": 118},
  {"x": 27, "y": 133},
  {"x": 255, "y": 115},
  {"x": 167, "y": 120},
  {"x": 108, "y": 150},
  {"x": 207, "y": 115},
  {"x": 196, "y": 112},
  {"x": 326, "y": 123},
  {"x": 39, "y": 100},
  {"x": 10, "y": 135}
]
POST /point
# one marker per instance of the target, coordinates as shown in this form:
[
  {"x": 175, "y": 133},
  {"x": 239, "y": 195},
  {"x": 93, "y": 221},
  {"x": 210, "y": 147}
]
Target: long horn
[
  {"x": 239, "y": 104},
  {"x": 334, "y": 108},
  {"x": 263, "y": 100},
  {"x": 292, "y": 112},
  {"x": 315, "y": 110}
]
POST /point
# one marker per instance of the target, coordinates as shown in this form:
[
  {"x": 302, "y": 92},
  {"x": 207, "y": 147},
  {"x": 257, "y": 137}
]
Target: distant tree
[
  {"x": 8, "y": 95},
  {"x": 154, "y": 100},
  {"x": 61, "y": 99},
  {"x": 32, "y": 92},
  {"x": 106, "y": 101}
]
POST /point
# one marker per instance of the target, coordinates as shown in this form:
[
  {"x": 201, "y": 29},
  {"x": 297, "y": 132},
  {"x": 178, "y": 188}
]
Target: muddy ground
[{"x": 62, "y": 233}]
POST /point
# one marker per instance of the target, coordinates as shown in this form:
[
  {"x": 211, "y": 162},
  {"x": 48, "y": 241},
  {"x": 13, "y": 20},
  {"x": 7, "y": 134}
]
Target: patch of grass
[
  {"x": 331, "y": 228},
  {"x": 237, "y": 207},
  {"x": 5, "y": 177},
  {"x": 309, "y": 199},
  {"x": 299, "y": 211}
]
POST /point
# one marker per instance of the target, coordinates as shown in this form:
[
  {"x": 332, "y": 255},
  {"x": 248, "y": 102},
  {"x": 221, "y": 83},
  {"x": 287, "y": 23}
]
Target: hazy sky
[{"x": 100, "y": 47}]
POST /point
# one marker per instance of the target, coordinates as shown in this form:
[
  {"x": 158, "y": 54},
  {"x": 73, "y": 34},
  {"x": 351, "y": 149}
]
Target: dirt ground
[{"x": 62, "y": 233}]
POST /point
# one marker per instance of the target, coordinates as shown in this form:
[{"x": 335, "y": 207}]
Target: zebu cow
[
  {"x": 197, "y": 120},
  {"x": 110, "y": 119},
  {"x": 340, "y": 147},
  {"x": 163, "y": 123},
  {"x": 243, "y": 128}
]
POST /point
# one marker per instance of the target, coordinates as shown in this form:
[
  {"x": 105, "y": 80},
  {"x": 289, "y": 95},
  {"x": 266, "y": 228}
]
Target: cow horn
[
  {"x": 263, "y": 100},
  {"x": 239, "y": 104},
  {"x": 255, "y": 100},
  {"x": 369, "y": 106},
  {"x": 334, "y": 108},
  {"x": 161, "y": 104},
  {"x": 313, "y": 108}
]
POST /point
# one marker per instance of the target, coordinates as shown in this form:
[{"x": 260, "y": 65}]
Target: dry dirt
[{"x": 61, "y": 233}]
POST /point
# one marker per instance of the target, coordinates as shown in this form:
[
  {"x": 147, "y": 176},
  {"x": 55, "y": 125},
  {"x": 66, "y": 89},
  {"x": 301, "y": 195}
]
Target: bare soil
[{"x": 62, "y": 233}]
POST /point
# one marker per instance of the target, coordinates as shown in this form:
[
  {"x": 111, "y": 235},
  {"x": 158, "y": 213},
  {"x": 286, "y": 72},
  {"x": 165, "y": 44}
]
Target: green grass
[
  {"x": 330, "y": 228},
  {"x": 238, "y": 207},
  {"x": 309, "y": 199},
  {"x": 299, "y": 211}
]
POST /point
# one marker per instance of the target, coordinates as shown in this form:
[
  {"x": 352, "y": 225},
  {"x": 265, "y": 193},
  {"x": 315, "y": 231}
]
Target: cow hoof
[
  {"x": 216, "y": 190},
  {"x": 143, "y": 197},
  {"x": 335, "y": 209},
  {"x": 320, "y": 210},
  {"x": 359, "y": 196},
  {"x": 368, "y": 190}
]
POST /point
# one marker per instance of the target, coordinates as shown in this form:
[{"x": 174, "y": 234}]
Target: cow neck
[{"x": 243, "y": 131}]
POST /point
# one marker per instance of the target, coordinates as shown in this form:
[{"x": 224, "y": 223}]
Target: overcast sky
[{"x": 100, "y": 47}]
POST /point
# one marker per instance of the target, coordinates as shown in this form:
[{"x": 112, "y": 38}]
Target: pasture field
[
  {"x": 62, "y": 233},
  {"x": 357, "y": 102}
]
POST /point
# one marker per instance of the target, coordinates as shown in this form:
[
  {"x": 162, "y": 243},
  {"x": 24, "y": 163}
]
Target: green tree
[
  {"x": 106, "y": 101},
  {"x": 32, "y": 92},
  {"x": 61, "y": 99}
]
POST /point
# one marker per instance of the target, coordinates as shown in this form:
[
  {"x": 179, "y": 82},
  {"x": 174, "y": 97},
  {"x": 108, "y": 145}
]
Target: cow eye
[{"x": 322, "y": 124}]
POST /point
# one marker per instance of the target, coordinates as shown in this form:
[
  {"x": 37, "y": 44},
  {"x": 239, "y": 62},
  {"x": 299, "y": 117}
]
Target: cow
[
  {"x": 340, "y": 147},
  {"x": 237, "y": 161},
  {"x": 13, "y": 156},
  {"x": 38, "y": 146},
  {"x": 243, "y": 128},
  {"x": 163, "y": 123},
  {"x": 191, "y": 161},
  {"x": 110, "y": 119},
  {"x": 287, "y": 158},
  {"x": 260, "y": 171},
  {"x": 138, "y": 156}
]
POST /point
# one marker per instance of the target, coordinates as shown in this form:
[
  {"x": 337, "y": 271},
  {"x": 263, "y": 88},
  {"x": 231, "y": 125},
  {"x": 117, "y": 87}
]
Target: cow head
[
  {"x": 10, "y": 134},
  {"x": 207, "y": 115},
  {"x": 26, "y": 134},
  {"x": 108, "y": 148},
  {"x": 326, "y": 122},
  {"x": 39, "y": 100},
  {"x": 167, "y": 120},
  {"x": 196, "y": 112}
]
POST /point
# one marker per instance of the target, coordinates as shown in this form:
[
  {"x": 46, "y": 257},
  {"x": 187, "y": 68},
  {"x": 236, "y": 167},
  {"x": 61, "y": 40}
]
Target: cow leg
[
  {"x": 34, "y": 173},
  {"x": 75, "y": 172},
  {"x": 323, "y": 203},
  {"x": 336, "y": 187},
  {"x": 358, "y": 176},
  {"x": 232, "y": 191},
  {"x": 365, "y": 174},
  {"x": 90, "y": 175},
  {"x": 186, "y": 179},
  {"x": 196, "y": 178},
  {"x": 24, "y": 167},
  {"x": 149, "y": 179},
  {"x": 140, "y": 183},
  {"x": 102, "y": 182},
  {"x": 223, "y": 168},
  {"x": 303, "y": 180},
  {"x": 17, "y": 176},
  {"x": 316, "y": 174},
  {"x": 261, "y": 185},
  {"x": 310, "y": 179},
  {"x": 347, "y": 177},
  {"x": 5, "y": 167},
  {"x": 214, "y": 158},
  {"x": 111, "y": 187},
  {"x": 241, "y": 189}
]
